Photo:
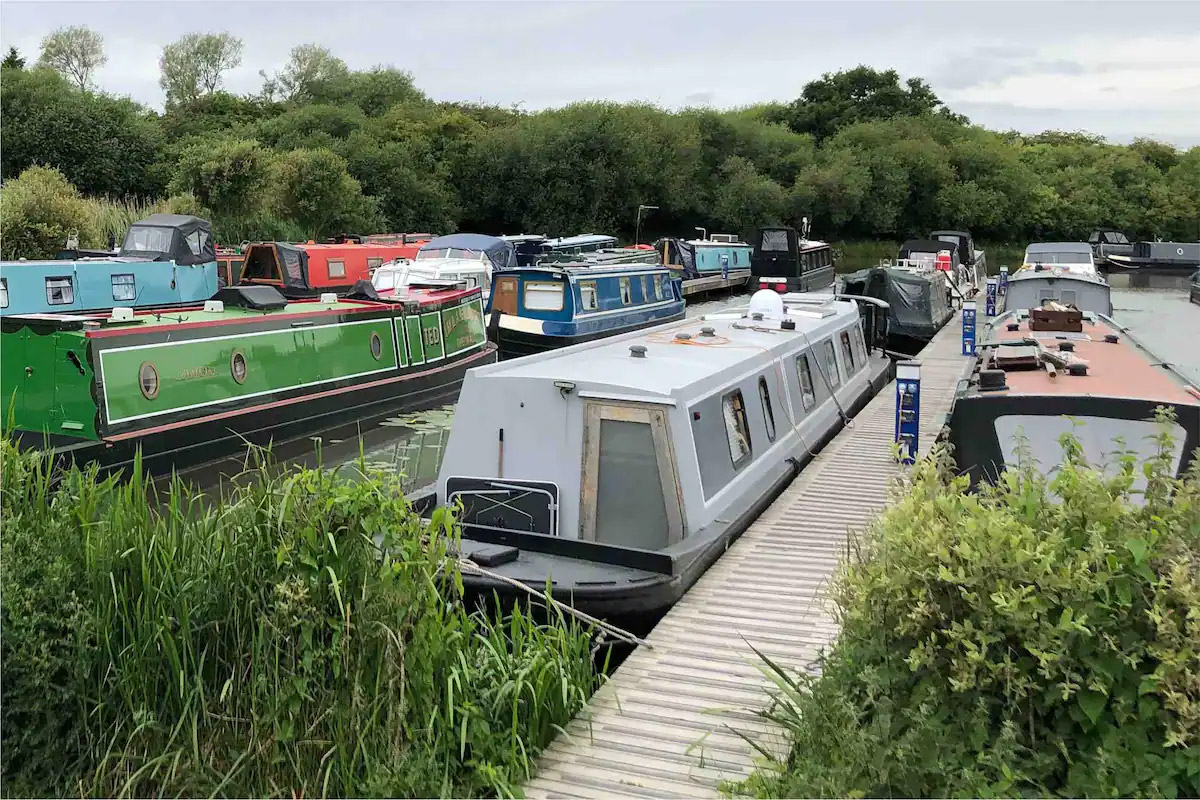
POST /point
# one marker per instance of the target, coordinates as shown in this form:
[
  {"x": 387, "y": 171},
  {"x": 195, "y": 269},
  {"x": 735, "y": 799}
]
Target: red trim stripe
[{"x": 302, "y": 398}]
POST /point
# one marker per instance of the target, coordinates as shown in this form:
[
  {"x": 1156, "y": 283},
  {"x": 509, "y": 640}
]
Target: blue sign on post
[
  {"x": 968, "y": 328},
  {"x": 908, "y": 409},
  {"x": 991, "y": 297},
  {"x": 1003, "y": 280}
]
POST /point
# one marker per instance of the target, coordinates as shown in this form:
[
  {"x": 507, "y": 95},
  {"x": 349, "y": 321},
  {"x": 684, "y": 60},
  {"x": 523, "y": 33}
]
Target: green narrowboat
[{"x": 195, "y": 384}]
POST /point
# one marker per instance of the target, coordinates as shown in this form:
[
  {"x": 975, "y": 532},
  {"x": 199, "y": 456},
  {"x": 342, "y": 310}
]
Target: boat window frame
[
  {"x": 645, "y": 289},
  {"x": 764, "y": 397},
  {"x": 658, "y": 287},
  {"x": 3, "y": 292},
  {"x": 132, "y": 284},
  {"x": 329, "y": 267},
  {"x": 831, "y": 361},
  {"x": 374, "y": 262},
  {"x": 594, "y": 412},
  {"x": 626, "y": 290},
  {"x": 808, "y": 397},
  {"x": 536, "y": 285},
  {"x": 741, "y": 420},
  {"x": 148, "y": 392},
  {"x": 860, "y": 343},
  {"x": 848, "y": 352},
  {"x": 69, "y": 295},
  {"x": 586, "y": 286}
]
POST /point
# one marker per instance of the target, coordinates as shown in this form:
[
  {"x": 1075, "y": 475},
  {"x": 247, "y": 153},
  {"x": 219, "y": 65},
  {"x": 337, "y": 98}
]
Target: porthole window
[
  {"x": 237, "y": 366},
  {"x": 376, "y": 346},
  {"x": 148, "y": 380}
]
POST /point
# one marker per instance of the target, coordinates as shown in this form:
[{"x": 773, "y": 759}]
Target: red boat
[{"x": 308, "y": 269}]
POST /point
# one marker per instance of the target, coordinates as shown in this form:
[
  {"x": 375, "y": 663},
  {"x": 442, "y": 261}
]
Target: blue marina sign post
[
  {"x": 968, "y": 328},
  {"x": 991, "y": 297},
  {"x": 1003, "y": 280},
  {"x": 908, "y": 409}
]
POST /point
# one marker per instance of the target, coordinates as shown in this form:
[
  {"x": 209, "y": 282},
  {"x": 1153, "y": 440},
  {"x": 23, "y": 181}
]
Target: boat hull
[{"x": 514, "y": 342}]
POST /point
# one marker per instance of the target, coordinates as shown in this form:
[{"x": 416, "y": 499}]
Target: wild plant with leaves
[
  {"x": 1038, "y": 637},
  {"x": 300, "y": 635}
]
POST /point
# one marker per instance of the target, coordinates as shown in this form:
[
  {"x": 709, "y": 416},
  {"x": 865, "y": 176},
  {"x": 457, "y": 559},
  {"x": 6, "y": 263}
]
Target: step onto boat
[
  {"x": 616, "y": 471},
  {"x": 1041, "y": 373},
  {"x": 534, "y": 309},
  {"x": 166, "y": 260},
  {"x": 194, "y": 384}
]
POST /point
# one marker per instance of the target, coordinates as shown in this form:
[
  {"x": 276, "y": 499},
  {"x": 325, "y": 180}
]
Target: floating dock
[
  {"x": 667, "y": 722},
  {"x": 736, "y": 279}
]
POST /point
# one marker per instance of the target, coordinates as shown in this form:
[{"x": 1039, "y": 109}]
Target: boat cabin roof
[
  {"x": 1120, "y": 369},
  {"x": 1082, "y": 248},
  {"x": 584, "y": 270},
  {"x": 678, "y": 355}
]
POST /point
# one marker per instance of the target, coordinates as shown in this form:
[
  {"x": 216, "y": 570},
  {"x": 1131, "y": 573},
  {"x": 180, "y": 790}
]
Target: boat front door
[
  {"x": 504, "y": 295},
  {"x": 630, "y": 492}
]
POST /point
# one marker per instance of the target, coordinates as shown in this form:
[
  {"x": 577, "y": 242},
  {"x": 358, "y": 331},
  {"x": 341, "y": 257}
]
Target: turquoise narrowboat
[
  {"x": 533, "y": 309},
  {"x": 166, "y": 260},
  {"x": 719, "y": 254}
]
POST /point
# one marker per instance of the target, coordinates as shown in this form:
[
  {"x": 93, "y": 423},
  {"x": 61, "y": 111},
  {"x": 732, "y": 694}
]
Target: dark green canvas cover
[{"x": 917, "y": 306}]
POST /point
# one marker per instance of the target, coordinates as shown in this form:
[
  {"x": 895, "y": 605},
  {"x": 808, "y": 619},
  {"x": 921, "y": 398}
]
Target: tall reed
[{"x": 299, "y": 635}]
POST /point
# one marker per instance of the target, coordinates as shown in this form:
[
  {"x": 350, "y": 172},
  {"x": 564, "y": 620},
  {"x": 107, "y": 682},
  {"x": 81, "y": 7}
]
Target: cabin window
[
  {"x": 764, "y": 394},
  {"x": 629, "y": 476},
  {"x": 123, "y": 287},
  {"x": 60, "y": 291},
  {"x": 645, "y": 288},
  {"x": 808, "y": 397},
  {"x": 237, "y": 366},
  {"x": 736, "y": 429},
  {"x": 372, "y": 263},
  {"x": 148, "y": 380},
  {"x": 775, "y": 241},
  {"x": 3, "y": 292},
  {"x": 832, "y": 375},
  {"x": 337, "y": 268},
  {"x": 658, "y": 287},
  {"x": 626, "y": 292},
  {"x": 197, "y": 241},
  {"x": 543, "y": 296},
  {"x": 587, "y": 296},
  {"x": 859, "y": 346},
  {"x": 848, "y": 354}
]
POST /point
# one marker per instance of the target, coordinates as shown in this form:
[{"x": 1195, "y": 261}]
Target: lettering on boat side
[{"x": 197, "y": 372}]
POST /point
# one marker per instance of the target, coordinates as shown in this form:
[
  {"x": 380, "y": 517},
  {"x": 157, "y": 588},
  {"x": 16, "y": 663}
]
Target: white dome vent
[{"x": 768, "y": 303}]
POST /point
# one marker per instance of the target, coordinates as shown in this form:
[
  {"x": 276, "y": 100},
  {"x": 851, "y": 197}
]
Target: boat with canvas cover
[
  {"x": 166, "y": 260},
  {"x": 618, "y": 470},
  {"x": 197, "y": 383},
  {"x": 1040, "y": 373}
]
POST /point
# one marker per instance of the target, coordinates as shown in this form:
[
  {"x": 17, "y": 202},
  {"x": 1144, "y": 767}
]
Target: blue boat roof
[{"x": 583, "y": 270}]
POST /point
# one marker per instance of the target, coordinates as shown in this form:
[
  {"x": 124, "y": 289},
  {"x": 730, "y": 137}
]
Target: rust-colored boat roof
[{"x": 1123, "y": 369}]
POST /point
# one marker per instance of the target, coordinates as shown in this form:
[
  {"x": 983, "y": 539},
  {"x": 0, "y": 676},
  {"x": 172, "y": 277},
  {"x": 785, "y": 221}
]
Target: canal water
[{"x": 1154, "y": 307}]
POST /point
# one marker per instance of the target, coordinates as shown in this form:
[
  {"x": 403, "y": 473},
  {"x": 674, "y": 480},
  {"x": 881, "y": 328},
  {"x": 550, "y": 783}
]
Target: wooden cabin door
[{"x": 504, "y": 295}]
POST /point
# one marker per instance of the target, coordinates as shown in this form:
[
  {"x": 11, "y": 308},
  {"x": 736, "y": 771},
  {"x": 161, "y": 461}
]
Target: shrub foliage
[
  {"x": 1039, "y": 637},
  {"x": 299, "y": 636}
]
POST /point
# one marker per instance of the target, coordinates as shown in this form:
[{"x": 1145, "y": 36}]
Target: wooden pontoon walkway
[
  {"x": 661, "y": 726},
  {"x": 736, "y": 279}
]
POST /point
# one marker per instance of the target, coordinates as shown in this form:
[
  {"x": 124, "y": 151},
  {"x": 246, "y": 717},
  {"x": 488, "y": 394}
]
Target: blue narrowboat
[
  {"x": 533, "y": 309},
  {"x": 166, "y": 260},
  {"x": 719, "y": 254}
]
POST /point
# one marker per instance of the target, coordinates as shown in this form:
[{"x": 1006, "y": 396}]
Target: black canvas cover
[
  {"x": 499, "y": 252},
  {"x": 917, "y": 305},
  {"x": 293, "y": 263},
  {"x": 261, "y": 298},
  {"x": 776, "y": 253},
  {"x": 682, "y": 254},
  {"x": 961, "y": 244},
  {"x": 181, "y": 238},
  {"x": 362, "y": 290}
]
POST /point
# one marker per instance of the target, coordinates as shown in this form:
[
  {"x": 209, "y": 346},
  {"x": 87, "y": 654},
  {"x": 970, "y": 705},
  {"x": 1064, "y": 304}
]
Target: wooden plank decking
[
  {"x": 711, "y": 283},
  {"x": 661, "y": 726}
]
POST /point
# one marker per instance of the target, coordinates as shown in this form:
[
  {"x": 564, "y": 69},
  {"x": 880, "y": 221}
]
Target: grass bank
[
  {"x": 300, "y": 635},
  {"x": 1038, "y": 638}
]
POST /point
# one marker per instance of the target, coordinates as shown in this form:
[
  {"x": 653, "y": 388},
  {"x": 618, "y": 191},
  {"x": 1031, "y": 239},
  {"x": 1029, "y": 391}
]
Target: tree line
[{"x": 323, "y": 149}]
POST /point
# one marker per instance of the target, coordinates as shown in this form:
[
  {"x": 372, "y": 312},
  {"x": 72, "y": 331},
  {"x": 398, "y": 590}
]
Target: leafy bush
[
  {"x": 38, "y": 211},
  {"x": 1040, "y": 637},
  {"x": 301, "y": 635}
]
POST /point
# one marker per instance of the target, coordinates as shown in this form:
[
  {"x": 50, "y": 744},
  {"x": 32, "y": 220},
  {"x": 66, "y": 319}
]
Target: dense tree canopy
[{"x": 324, "y": 149}]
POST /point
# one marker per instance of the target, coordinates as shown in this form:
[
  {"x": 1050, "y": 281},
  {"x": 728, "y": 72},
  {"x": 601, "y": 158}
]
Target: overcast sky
[{"x": 1117, "y": 69}]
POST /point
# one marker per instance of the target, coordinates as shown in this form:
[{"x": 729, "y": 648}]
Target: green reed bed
[{"x": 300, "y": 635}]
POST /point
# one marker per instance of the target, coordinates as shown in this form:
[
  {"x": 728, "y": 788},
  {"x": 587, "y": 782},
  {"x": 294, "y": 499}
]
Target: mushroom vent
[
  {"x": 1078, "y": 370},
  {"x": 707, "y": 331},
  {"x": 637, "y": 351},
  {"x": 788, "y": 325},
  {"x": 1014, "y": 326},
  {"x": 992, "y": 380},
  {"x": 683, "y": 337},
  {"x": 1111, "y": 338},
  {"x": 1066, "y": 347}
]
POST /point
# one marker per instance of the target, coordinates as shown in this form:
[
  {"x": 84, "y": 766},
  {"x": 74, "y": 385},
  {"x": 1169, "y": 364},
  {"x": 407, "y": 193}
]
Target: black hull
[
  {"x": 647, "y": 600},
  {"x": 192, "y": 445},
  {"x": 514, "y": 344}
]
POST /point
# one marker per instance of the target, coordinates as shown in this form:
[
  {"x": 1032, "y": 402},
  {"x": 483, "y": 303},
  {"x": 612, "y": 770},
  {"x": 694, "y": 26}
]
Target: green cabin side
[{"x": 46, "y": 380}]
